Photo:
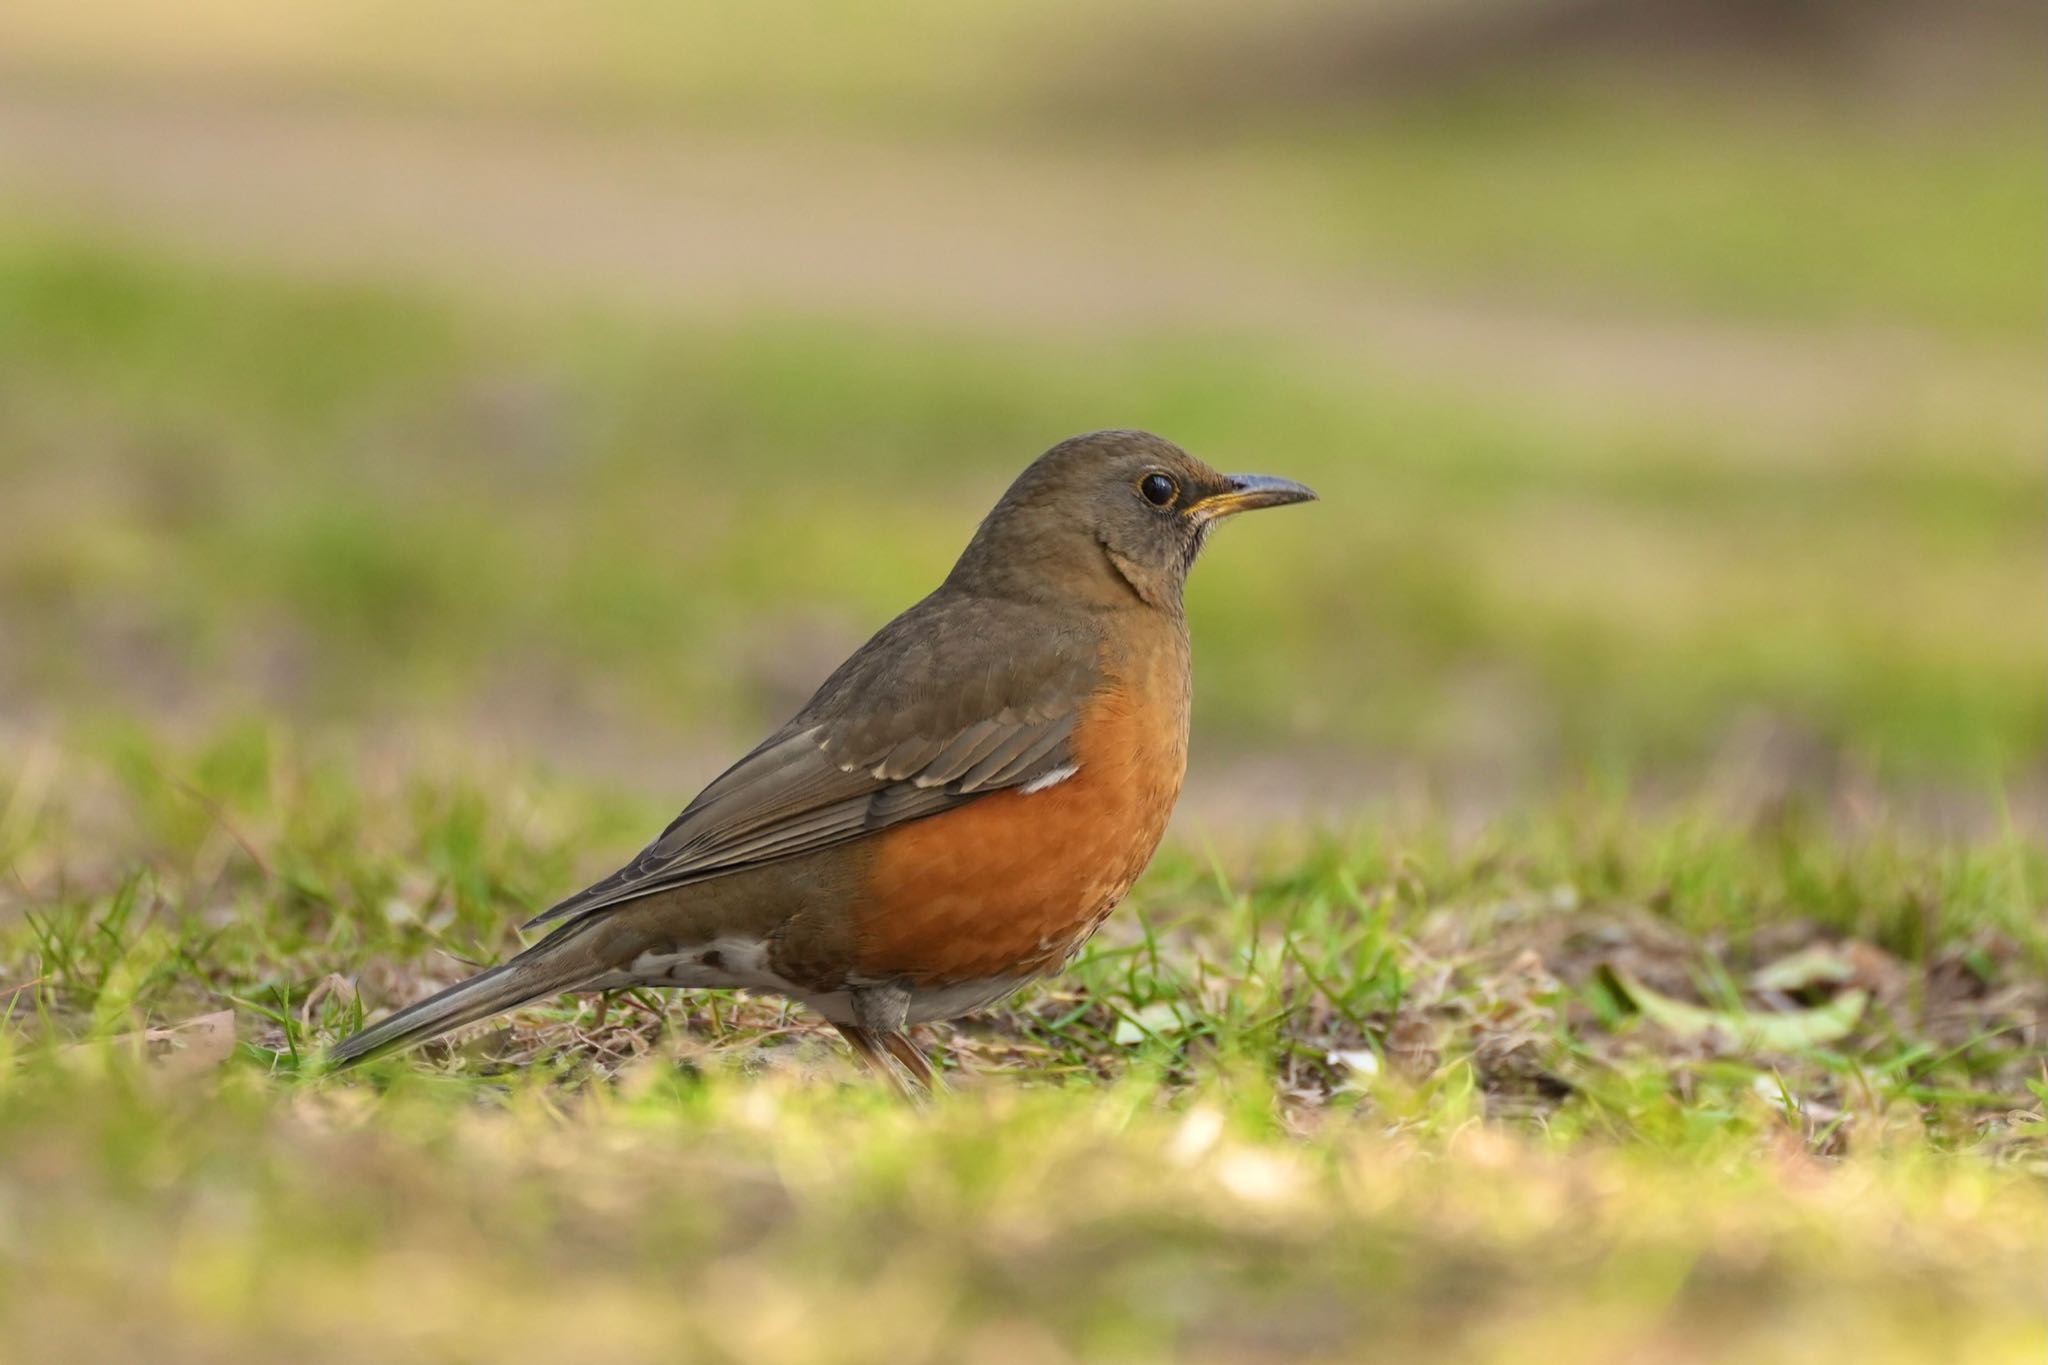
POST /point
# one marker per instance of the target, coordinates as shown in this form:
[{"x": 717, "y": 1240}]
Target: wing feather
[
  {"x": 864, "y": 756},
  {"x": 1026, "y": 753}
]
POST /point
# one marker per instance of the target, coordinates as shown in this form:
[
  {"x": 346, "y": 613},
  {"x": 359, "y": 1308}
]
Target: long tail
[{"x": 548, "y": 967}]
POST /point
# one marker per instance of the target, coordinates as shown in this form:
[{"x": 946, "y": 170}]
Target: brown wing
[{"x": 925, "y": 717}]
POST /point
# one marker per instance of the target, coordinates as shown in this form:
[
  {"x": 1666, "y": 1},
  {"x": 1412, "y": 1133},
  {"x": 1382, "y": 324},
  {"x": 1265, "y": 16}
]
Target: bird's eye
[{"x": 1158, "y": 489}]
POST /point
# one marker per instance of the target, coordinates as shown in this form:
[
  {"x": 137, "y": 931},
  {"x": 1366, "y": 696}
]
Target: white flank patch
[
  {"x": 742, "y": 964},
  {"x": 1051, "y": 779},
  {"x": 726, "y": 963}
]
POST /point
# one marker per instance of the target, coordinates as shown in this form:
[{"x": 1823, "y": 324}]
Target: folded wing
[{"x": 894, "y": 736}]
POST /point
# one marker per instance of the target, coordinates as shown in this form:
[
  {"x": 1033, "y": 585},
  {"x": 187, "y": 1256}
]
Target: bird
[{"x": 959, "y": 806}]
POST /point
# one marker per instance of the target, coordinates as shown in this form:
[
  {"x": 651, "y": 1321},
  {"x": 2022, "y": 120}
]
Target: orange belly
[{"x": 1012, "y": 884}]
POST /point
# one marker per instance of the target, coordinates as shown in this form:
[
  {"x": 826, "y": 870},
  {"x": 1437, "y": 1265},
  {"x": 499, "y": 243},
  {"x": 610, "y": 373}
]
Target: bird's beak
[{"x": 1248, "y": 493}]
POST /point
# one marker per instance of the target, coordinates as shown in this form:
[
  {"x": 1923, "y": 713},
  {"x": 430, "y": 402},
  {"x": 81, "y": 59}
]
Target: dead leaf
[
  {"x": 1821, "y": 964},
  {"x": 185, "y": 1050},
  {"x": 1743, "y": 1031},
  {"x": 1160, "y": 1019}
]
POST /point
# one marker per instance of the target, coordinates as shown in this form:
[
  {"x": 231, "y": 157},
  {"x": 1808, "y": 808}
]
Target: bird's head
[{"x": 1107, "y": 516}]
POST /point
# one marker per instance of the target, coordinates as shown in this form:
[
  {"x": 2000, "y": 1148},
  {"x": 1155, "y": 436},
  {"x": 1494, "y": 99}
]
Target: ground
[
  {"x": 1606, "y": 918},
  {"x": 1580, "y": 1085}
]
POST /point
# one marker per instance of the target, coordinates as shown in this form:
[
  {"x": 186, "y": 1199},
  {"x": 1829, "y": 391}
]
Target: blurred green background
[{"x": 583, "y": 381}]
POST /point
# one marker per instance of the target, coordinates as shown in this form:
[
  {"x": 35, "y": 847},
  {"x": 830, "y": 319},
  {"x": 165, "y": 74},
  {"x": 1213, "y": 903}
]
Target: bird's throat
[{"x": 1153, "y": 586}]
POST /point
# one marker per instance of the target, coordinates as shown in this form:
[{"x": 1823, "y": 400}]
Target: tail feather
[{"x": 543, "y": 969}]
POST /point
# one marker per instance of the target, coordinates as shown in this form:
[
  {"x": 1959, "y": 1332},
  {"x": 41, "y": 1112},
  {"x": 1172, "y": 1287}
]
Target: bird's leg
[
  {"x": 881, "y": 1013},
  {"x": 869, "y": 1049},
  {"x": 914, "y": 1061}
]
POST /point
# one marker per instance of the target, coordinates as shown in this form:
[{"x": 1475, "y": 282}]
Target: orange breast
[{"x": 1012, "y": 883}]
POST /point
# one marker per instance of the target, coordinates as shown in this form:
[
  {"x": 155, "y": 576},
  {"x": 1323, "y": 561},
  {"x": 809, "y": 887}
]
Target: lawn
[
  {"x": 232, "y": 491},
  {"x": 1576, "y": 1083},
  {"x": 1608, "y": 915}
]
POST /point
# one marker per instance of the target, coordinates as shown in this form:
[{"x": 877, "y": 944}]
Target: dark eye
[{"x": 1158, "y": 489}]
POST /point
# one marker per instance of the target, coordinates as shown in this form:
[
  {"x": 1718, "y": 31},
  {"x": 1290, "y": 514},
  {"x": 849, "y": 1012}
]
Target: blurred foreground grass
[{"x": 735, "y": 1219}]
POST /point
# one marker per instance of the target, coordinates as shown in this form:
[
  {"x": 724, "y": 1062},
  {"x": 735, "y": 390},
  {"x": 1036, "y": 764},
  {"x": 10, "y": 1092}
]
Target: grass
[
  {"x": 1776, "y": 208},
  {"x": 1428, "y": 1090},
  {"x": 409, "y": 503},
  {"x": 1782, "y": 196},
  {"x": 1676, "y": 992},
  {"x": 732, "y": 1221}
]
